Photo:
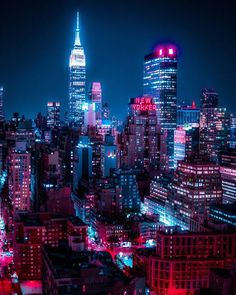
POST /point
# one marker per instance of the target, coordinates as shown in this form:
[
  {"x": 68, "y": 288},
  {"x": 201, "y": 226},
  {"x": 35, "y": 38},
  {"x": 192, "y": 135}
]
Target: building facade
[
  {"x": 214, "y": 126},
  {"x": 228, "y": 175},
  {"x": 141, "y": 140},
  {"x": 182, "y": 261},
  {"x": 53, "y": 114},
  {"x": 19, "y": 180}
]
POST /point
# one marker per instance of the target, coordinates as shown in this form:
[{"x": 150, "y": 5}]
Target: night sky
[{"x": 37, "y": 36}]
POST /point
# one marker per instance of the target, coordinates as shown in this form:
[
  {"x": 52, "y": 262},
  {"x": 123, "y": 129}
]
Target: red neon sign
[{"x": 143, "y": 104}]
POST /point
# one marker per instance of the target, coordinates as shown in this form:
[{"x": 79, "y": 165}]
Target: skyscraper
[
  {"x": 77, "y": 81},
  {"x": 214, "y": 125},
  {"x": 188, "y": 115},
  {"x": 53, "y": 114},
  {"x": 95, "y": 95},
  {"x": 160, "y": 83},
  {"x": 82, "y": 161},
  {"x": 196, "y": 185},
  {"x": 20, "y": 177}
]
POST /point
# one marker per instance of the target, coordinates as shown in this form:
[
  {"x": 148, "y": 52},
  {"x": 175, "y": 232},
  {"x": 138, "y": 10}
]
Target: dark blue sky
[{"x": 37, "y": 36}]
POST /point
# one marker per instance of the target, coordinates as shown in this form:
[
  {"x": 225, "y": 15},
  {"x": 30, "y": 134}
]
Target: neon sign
[
  {"x": 143, "y": 104},
  {"x": 166, "y": 51}
]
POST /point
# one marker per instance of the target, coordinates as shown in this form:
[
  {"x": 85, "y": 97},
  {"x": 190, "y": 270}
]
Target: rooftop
[{"x": 66, "y": 263}]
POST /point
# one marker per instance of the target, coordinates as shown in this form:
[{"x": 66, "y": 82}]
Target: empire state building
[{"x": 77, "y": 80}]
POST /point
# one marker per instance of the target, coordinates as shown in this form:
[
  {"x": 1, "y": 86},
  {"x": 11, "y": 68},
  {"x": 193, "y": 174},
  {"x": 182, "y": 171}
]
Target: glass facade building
[
  {"x": 160, "y": 83},
  {"x": 228, "y": 175},
  {"x": 77, "y": 80}
]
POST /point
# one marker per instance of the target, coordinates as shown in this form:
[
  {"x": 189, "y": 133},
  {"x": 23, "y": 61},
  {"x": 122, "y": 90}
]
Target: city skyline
[
  {"x": 117, "y": 147},
  {"x": 33, "y": 81}
]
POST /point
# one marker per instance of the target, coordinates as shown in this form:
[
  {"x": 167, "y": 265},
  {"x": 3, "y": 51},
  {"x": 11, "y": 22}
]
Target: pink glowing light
[{"x": 171, "y": 51}]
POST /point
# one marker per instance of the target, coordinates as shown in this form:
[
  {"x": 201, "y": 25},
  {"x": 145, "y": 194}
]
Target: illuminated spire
[
  {"x": 77, "y": 38},
  {"x": 193, "y": 105}
]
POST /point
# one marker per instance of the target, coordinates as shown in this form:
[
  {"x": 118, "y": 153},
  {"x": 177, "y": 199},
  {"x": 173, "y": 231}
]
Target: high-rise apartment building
[
  {"x": 160, "y": 83},
  {"x": 53, "y": 114},
  {"x": 77, "y": 80},
  {"x": 19, "y": 178}
]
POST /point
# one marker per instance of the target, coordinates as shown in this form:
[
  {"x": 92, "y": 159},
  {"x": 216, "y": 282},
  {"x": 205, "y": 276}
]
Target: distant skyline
[{"x": 37, "y": 37}]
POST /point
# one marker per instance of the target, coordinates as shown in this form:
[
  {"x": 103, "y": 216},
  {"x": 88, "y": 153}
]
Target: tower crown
[{"x": 77, "y": 37}]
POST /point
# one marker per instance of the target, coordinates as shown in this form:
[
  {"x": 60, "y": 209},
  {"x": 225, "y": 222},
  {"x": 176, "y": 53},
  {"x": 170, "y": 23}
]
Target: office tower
[
  {"x": 19, "y": 178},
  {"x": 228, "y": 175},
  {"x": 53, "y": 114},
  {"x": 89, "y": 109},
  {"x": 179, "y": 145},
  {"x": 82, "y": 161},
  {"x": 95, "y": 96},
  {"x": 232, "y": 132},
  {"x": 108, "y": 156},
  {"x": 188, "y": 115},
  {"x": 154, "y": 204},
  {"x": 214, "y": 126},
  {"x": 160, "y": 83},
  {"x": 1, "y": 105},
  {"x": 77, "y": 86},
  {"x": 186, "y": 135},
  {"x": 186, "y": 141},
  {"x": 140, "y": 142},
  {"x": 196, "y": 185},
  {"x": 183, "y": 259},
  {"x": 129, "y": 189},
  {"x": 32, "y": 231}
]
